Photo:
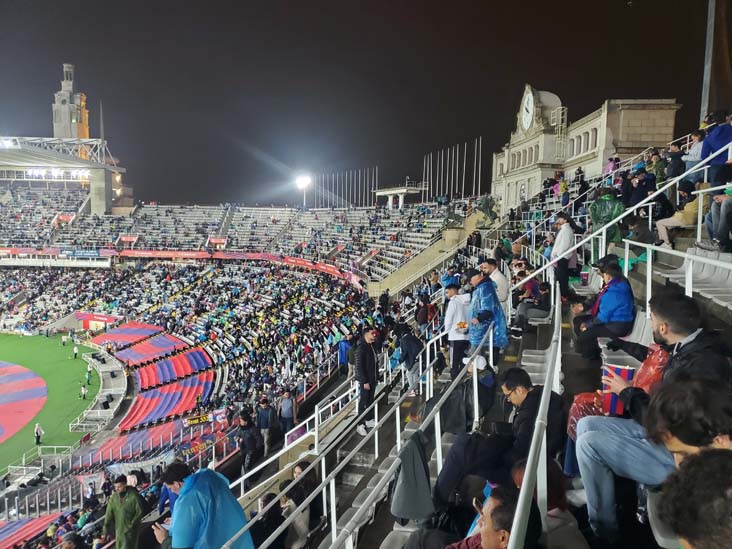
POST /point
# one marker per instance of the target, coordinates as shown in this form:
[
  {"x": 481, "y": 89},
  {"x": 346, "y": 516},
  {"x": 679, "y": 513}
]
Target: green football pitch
[{"x": 63, "y": 376}]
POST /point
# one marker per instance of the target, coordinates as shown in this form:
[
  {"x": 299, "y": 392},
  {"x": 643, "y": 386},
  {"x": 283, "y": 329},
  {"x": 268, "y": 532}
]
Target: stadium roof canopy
[{"x": 49, "y": 152}]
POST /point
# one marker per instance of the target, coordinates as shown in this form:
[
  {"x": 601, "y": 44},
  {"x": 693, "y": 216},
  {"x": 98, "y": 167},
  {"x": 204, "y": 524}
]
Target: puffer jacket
[
  {"x": 484, "y": 306},
  {"x": 616, "y": 303},
  {"x": 717, "y": 138}
]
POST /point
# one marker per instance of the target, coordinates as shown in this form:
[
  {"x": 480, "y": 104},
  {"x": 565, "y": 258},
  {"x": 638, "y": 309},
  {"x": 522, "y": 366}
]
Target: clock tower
[{"x": 70, "y": 115}]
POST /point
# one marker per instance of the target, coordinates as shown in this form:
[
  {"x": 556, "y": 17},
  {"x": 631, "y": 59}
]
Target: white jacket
[
  {"x": 563, "y": 241},
  {"x": 458, "y": 310},
  {"x": 501, "y": 285}
]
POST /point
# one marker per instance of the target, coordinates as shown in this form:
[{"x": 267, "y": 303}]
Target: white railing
[
  {"x": 327, "y": 485},
  {"x": 535, "y": 475},
  {"x": 350, "y": 529},
  {"x": 597, "y": 179},
  {"x": 688, "y": 267},
  {"x": 602, "y": 231}
]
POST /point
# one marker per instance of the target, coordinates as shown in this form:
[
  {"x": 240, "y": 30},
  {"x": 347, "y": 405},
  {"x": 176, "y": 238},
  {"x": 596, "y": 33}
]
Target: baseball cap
[
  {"x": 606, "y": 260},
  {"x": 479, "y": 361},
  {"x": 472, "y": 272}
]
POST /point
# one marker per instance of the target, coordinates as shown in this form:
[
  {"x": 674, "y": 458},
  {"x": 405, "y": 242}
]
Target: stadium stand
[
  {"x": 128, "y": 333},
  {"x": 155, "y": 347},
  {"x": 93, "y": 231},
  {"x": 169, "y": 369},
  {"x": 29, "y": 214},
  {"x": 253, "y": 229},
  {"x": 171, "y": 400},
  {"x": 18, "y": 530},
  {"x": 177, "y": 227}
]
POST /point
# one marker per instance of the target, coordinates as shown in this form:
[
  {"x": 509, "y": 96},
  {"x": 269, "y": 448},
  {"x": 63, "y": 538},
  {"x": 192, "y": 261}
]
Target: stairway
[{"x": 228, "y": 217}]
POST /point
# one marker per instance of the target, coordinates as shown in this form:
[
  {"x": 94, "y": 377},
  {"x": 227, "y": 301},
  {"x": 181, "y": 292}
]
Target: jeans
[
  {"x": 365, "y": 399},
  {"x": 527, "y": 310},
  {"x": 266, "y": 437},
  {"x": 412, "y": 375},
  {"x": 717, "y": 220},
  {"x": 286, "y": 424},
  {"x": 607, "y": 446}
]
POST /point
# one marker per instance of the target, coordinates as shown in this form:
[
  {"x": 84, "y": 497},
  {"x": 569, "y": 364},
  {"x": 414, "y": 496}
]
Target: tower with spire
[{"x": 70, "y": 115}]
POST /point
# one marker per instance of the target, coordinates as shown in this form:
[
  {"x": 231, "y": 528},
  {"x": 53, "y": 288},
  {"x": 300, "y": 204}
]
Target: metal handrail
[
  {"x": 689, "y": 260},
  {"x": 345, "y": 536},
  {"x": 601, "y": 177},
  {"x": 329, "y": 480},
  {"x": 535, "y": 472},
  {"x": 643, "y": 203}
]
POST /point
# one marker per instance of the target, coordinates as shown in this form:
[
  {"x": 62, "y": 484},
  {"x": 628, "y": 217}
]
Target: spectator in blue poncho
[{"x": 206, "y": 515}]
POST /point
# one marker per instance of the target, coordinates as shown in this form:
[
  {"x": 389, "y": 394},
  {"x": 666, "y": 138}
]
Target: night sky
[{"x": 221, "y": 101}]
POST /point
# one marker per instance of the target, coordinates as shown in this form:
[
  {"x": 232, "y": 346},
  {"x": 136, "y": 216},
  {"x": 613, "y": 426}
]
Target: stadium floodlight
[{"x": 303, "y": 182}]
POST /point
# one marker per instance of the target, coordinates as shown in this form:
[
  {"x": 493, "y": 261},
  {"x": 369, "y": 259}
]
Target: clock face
[{"x": 527, "y": 111}]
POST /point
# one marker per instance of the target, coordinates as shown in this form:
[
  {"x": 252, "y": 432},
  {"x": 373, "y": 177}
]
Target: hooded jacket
[
  {"x": 717, "y": 138},
  {"x": 484, "y": 306},
  {"x": 207, "y": 514},
  {"x": 458, "y": 310},
  {"x": 705, "y": 357}
]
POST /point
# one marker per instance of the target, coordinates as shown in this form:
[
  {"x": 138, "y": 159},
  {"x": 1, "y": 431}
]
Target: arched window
[
  {"x": 585, "y": 142},
  {"x": 523, "y": 157},
  {"x": 531, "y": 155},
  {"x": 536, "y": 152},
  {"x": 593, "y": 138},
  {"x": 513, "y": 161},
  {"x": 571, "y": 147}
]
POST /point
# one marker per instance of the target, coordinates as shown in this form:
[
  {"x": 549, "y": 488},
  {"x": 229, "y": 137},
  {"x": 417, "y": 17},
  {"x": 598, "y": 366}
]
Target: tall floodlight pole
[
  {"x": 708, "y": 54},
  {"x": 475, "y": 163},
  {"x": 302, "y": 182},
  {"x": 480, "y": 161},
  {"x": 465, "y": 159}
]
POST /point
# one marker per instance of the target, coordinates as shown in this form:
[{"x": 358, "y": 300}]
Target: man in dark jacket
[
  {"x": 493, "y": 456},
  {"x": 411, "y": 346},
  {"x": 366, "y": 368},
  {"x": 250, "y": 442},
  {"x": 608, "y": 446},
  {"x": 675, "y": 166}
]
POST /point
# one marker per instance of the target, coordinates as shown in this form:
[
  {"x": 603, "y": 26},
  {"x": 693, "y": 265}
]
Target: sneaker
[
  {"x": 712, "y": 246},
  {"x": 412, "y": 393},
  {"x": 667, "y": 246},
  {"x": 517, "y": 334},
  {"x": 361, "y": 430},
  {"x": 370, "y": 424}
]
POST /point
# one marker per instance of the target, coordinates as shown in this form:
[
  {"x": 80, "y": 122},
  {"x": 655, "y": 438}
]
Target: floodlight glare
[{"x": 303, "y": 181}]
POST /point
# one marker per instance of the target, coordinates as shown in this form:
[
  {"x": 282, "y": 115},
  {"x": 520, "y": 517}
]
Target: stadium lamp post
[{"x": 303, "y": 182}]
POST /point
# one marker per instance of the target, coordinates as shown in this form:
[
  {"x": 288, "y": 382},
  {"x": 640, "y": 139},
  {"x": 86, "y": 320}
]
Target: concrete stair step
[
  {"x": 396, "y": 539},
  {"x": 363, "y": 459}
]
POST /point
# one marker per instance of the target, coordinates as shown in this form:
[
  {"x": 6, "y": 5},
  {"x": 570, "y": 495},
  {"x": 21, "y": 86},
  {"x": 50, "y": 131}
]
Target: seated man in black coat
[{"x": 492, "y": 456}]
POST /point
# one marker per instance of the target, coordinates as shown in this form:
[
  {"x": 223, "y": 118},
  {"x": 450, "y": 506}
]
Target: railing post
[
  {"x": 376, "y": 435},
  {"x": 649, "y": 271},
  {"x": 541, "y": 483},
  {"x": 650, "y": 216},
  {"x": 316, "y": 429},
  {"x": 438, "y": 442},
  {"x": 688, "y": 271},
  {"x": 333, "y": 512},
  {"x": 627, "y": 259},
  {"x": 475, "y": 397},
  {"x": 398, "y": 417},
  {"x": 324, "y": 493}
]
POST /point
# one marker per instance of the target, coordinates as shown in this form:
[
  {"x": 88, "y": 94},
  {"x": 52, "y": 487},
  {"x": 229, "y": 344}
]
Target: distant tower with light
[{"x": 70, "y": 115}]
